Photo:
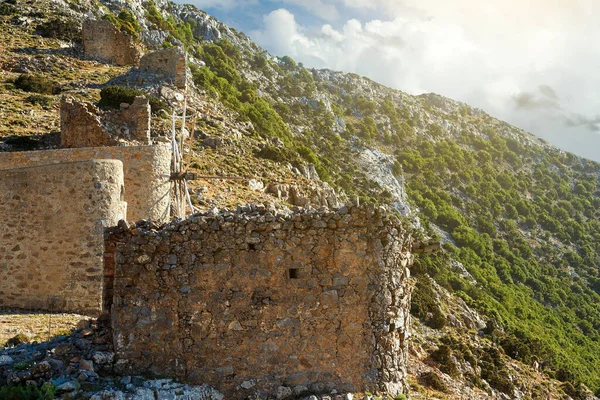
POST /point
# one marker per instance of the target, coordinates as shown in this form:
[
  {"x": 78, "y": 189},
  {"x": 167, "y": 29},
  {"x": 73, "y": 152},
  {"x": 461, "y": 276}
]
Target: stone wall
[
  {"x": 169, "y": 63},
  {"x": 102, "y": 41},
  {"x": 147, "y": 173},
  {"x": 52, "y": 233},
  {"x": 82, "y": 124},
  {"x": 253, "y": 300}
]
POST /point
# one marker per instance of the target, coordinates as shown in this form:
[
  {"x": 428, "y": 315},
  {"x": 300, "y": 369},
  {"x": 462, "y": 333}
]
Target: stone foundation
[{"x": 254, "y": 301}]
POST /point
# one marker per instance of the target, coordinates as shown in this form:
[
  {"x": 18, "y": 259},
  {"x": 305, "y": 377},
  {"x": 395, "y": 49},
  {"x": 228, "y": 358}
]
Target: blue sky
[
  {"x": 531, "y": 63},
  {"x": 248, "y": 15}
]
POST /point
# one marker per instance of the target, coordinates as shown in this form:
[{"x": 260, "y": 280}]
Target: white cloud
[{"x": 486, "y": 54}]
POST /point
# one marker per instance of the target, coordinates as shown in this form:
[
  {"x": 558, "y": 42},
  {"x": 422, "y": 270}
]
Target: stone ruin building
[
  {"x": 84, "y": 125},
  {"x": 104, "y": 42},
  {"x": 251, "y": 300},
  {"x": 55, "y": 205}
]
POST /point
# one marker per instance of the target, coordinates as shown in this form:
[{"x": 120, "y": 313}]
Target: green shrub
[
  {"x": 40, "y": 100},
  {"x": 434, "y": 381},
  {"x": 113, "y": 96},
  {"x": 368, "y": 128},
  {"x": 221, "y": 76},
  {"x": 308, "y": 154},
  {"x": 125, "y": 22},
  {"x": 35, "y": 83},
  {"x": 62, "y": 27},
  {"x": 12, "y": 392},
  {"x": 425, "y": 306},
  {"x": 494, "y": 371},
  {"x": 17, "y": 340},
  {"x": 154, "y": 16},
  {"x": 7, "y": 9},
  {"x": 259, "y": 62},
  {"x": 287, "y": 62},
  {"x": 181, "y": 31},
  {"x": 277, "y": 154},
  {"x": 22, "y": 366},
  {"x": 129, "y": 22},
  {"x": 443, "y": 355}
]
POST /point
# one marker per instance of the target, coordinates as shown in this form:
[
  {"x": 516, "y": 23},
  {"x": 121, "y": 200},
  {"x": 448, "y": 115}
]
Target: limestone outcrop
[{"x": 318, "y": 195}]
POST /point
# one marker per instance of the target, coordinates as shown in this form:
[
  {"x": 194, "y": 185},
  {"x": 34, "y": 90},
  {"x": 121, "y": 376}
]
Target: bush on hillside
[
  {"x": 277, "y": 154},
  {"x": 62, "y": 28},
  {"x": 36, "y": 84},
  {"x": 7, "y": 9},
  {"x": 125, "y": 22},
  {"x": 443, "y": 355},
  {"x": 424, "y": 304},
  {"x": 433, "y": 380}
]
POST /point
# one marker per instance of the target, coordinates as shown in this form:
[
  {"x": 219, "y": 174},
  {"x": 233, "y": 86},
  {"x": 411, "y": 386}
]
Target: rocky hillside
[{"x": 508, "y": 310}]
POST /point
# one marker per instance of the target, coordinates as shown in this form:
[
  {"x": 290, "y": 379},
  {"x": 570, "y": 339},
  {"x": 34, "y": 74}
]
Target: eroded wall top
[
  {"x": 147, "y": 172},
  {"x": 82, "y": 124}
]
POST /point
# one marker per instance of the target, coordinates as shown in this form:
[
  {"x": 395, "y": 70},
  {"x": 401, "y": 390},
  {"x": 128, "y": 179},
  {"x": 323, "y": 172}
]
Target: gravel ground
[{"x": 37, "y": 326}]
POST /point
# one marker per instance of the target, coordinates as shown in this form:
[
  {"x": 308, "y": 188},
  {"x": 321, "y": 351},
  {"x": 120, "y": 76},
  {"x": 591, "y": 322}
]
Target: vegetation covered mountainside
[{"x": 519, "y": 218}]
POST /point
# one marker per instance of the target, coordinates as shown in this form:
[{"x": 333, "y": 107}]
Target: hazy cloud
[
  {"x": 578, "y": 120},
  {"x": 545, "y": 98},
  {"x": 548, "y": 92}
]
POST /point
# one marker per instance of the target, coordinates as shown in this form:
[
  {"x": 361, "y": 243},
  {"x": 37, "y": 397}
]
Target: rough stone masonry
[
  {"x": 82, "y": 124},
  {"x": 102, "y": 41},
  {"x": 257, "y": 301},
  {"x": 51, "y": 242}
]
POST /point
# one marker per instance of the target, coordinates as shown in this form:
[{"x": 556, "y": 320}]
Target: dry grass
[
  {"x": 24, "y": 51},
  {"x": 35, "y": 325}
]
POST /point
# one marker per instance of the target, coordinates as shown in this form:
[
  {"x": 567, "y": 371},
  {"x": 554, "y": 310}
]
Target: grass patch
[
  {"x": 40, "y": 100},
  {"x": 19, "y": 392}
]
